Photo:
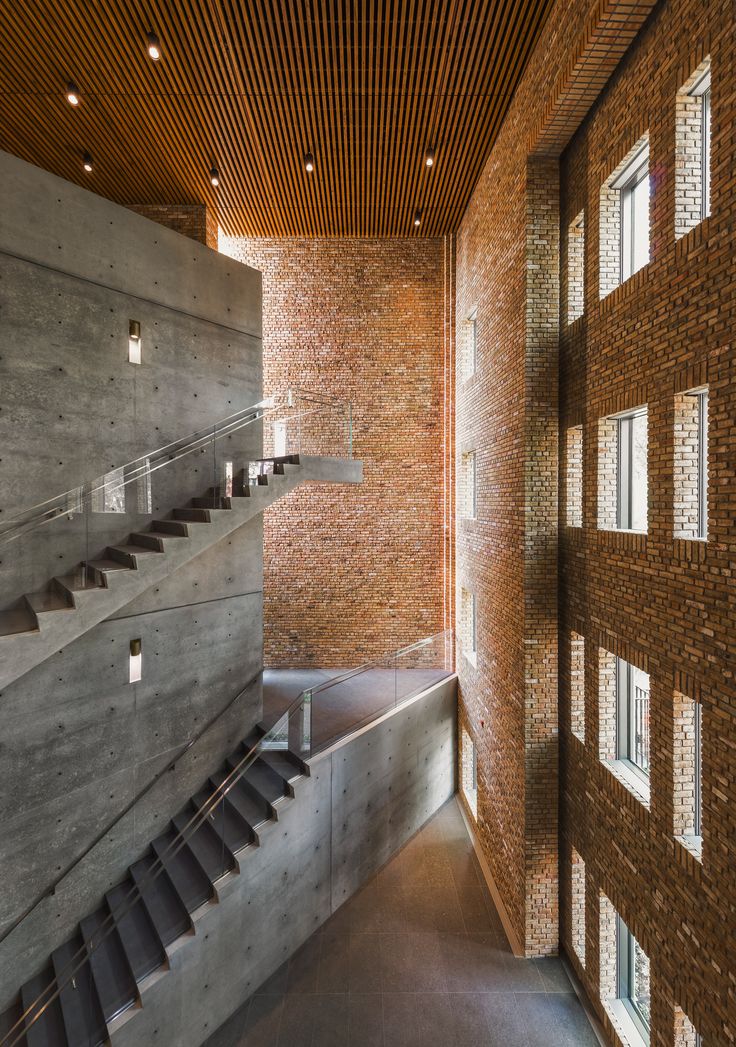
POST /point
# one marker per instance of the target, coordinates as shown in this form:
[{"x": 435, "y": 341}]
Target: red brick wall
[
  {"x": 354, "y": 572},
  {"x": 196, "y": 221},
  {"x": 662, "y": 602}
]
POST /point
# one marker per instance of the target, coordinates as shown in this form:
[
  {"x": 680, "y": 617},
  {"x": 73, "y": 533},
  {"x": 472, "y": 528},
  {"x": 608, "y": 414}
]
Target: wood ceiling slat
[{"x": 251, "y": 85}]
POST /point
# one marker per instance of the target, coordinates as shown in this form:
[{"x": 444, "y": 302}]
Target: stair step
[
  {"x": 84, "y": 1022},
  {"x": 107, "y": 565},
  {"x": 185, "y": 872},
  {"x": 142, "y": 945},
  {"x": 52, "y": 600},
  {"x": 75, "y": 583},
  {"x": 165, "y": 908},
  {"x": 227, "y": 821},
  {"x": 113, "y": 978},
  {"x": 266, "y": 781},
  {"x": 206, "y": 843},
  {"x": 129, "y": 554},
  {"x": 210, "y": 503},
  {"x": 169, "y": 529},
  {"x": 19, "y": 620},
  {"x": 284, "y": 762},
  {"x": 192, "y": 515},
  {"x": 254, "y": 810},
  {"x": 149, "y": 540},
  {"x": 9, "y": 1019},
  {"x": 48, "y": 1029}
]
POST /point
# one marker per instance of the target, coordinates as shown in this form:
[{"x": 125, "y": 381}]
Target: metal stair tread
[
  {"x": 166, "y": 910},
  {"x": 226, "y": 821},
  {"x": 114, "y": 981},
  {"x": 206, "y": 845},
  {"x": 108, "y": 565},
  {"x": 187, "y": 876},
  {"x": 266, "y": 780},
  {"x": 254, "y": 811},
  {"x": 84, "y": 1022},
  {"x": 142, "y": 945},
  {"x": 48, "y": 1030}
]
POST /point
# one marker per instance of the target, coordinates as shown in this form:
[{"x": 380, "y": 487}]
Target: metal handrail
[
  {"x": 70, "y": 501},
  {"x": 52, "y": 991}
]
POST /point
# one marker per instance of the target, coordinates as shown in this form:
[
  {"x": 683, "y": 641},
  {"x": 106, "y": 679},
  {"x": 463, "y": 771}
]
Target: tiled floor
[{"x": 417, "y": 959}]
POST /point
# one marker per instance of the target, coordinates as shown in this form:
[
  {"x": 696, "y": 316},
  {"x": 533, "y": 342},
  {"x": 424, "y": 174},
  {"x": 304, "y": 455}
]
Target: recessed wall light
[
  {"x": 134, "y": 342},
  {"x": 429, "y": 158},
  {"x": 72, "y": 94},
  {"x": 308, "y": 162},
  {"x": 135, "y": 662},
  {"x": 154, "y": 49},
  {"x": 214, "y": 177},
  {"x": 87, "y": 163},
  {"x": 417, "y": 218}
]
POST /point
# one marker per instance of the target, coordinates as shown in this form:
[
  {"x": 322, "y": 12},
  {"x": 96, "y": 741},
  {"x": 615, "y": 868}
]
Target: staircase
[
  {"x": 97, "y": 981},
  {"x": 70, "y": 605}
]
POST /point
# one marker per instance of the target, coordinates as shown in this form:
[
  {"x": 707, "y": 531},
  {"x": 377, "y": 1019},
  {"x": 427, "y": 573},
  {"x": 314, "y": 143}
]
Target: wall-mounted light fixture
[
  {"x": 308, "y": 162},
  {"x": 72, "y": 94},
  {"x": 87, "y": 163},
  {"x": 417, "y": 218},
  {"x": 214, "y": 177},
  {"x": 136, "y": 662},
  {"x": 429, "y": 158},
  {"x": 154, "y": 49},
  {"x": 134, "y": 342}
]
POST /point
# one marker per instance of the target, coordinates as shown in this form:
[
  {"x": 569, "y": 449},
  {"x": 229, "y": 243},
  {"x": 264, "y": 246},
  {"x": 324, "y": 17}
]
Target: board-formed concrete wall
[{"x": 77, "y": 741}]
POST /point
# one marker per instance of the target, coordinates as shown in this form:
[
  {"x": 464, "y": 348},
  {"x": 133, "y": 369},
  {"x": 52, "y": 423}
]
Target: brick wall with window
[{"x": 659, "y": 599}]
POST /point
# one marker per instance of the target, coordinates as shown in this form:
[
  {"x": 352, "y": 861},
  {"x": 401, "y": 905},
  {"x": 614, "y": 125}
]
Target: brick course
[
  {"x": 352, "y": 573},
  {"x": 197, "y": 221}
]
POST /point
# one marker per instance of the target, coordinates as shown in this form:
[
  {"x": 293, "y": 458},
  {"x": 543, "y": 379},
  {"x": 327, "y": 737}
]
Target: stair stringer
[{"x": 20, "y": 652}]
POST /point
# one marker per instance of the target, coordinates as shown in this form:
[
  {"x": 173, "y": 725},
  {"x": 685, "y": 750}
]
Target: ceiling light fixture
[
  {"x": 87, "y": 162},
  {"x": 429, "y": 158},
  {"x": 417, "y": 218},
  {"x": 72, "y": 94},
  {"x": 215, "y": 177},
  {"x": 308, "y": 162},
  {"x": 154, "y": 50}
]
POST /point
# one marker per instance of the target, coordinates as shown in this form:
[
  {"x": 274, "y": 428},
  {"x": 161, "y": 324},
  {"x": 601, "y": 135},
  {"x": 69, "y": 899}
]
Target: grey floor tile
[
  {"x": 276, "y": 984},
  {"x": 557, "y": 1018},
  {"x": 334, "y": 964},
  {"x": 263, "y": 1022},
  {"x": 304, "y": 967},
  {"x": 400, "y": 1020},
  {"x": 231, "y": 1034},
  {"x": 364, "y": 963},
  {"x": 365, "y": 1020},
  {"x": 297, "y": 1020},
  {"x": 412, "y": 963},
  {"x": 435, "y": 1020},
  {"x": 331, "y": 1021},
  {"x": 553, "y": 974}
]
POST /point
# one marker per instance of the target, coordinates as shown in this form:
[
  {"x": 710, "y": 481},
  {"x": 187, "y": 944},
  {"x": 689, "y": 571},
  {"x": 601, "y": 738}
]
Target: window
[
  {"x": 574, "y": 477},
  {"x": 577, "y": 685},
  {"x": 577, "y": 877},
  {"x": 469, "y": 348},
  {"x": 634, "y": 189},
  {"x": 576, "y": 268},
  {"x": 469, "y": 771},
  {"x": 622, "y": 471},
  {"x": 623, "y": 721},
  {"x": 624, "y": 218},
  {"x": 692, "y": 152},
  {"x": 685, "y": 1034},
  {"x": 691, "y": 465},
  {"x": 467, "y": 624},
  {"x": 467, "y": 498},
  {"x": 632, "y": 978},
  {"x": 632, "y": 716},
  {"x": 688, "y": 775}
]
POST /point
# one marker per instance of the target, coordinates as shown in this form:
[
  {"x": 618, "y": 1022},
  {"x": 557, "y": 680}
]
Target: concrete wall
[
  {"x": 364, "y": 800},
  {"x": 76, "y": 739}
]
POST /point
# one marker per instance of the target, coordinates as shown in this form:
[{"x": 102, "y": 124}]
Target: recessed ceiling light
[
  {"x": 87, "y": 162},
  {"x": 308, "y": 162},
  {"x": 154, "y": 50},
  {"x": 417, "y": 218},
  {"x": 72, "y": 94},
  {"x": 429, "y": 157},
  {"x": 215, "y": 177}
]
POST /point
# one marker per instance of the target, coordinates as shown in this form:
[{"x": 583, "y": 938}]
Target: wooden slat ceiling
[{"x": 252, "y": 85}]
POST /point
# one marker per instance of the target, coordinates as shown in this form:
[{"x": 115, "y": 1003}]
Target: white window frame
[
  {"x": 471, "y": 364},
  {"x": 701, "y": 89},
  {"x": 625, "y": 978},
  {"x": 627, "y": 736},
  {"x": 625, "y": 470},
  {"x": 468, "y": 460},
  {"x": 702, "y": 398},
  {"x": 636, "y": 171}
]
